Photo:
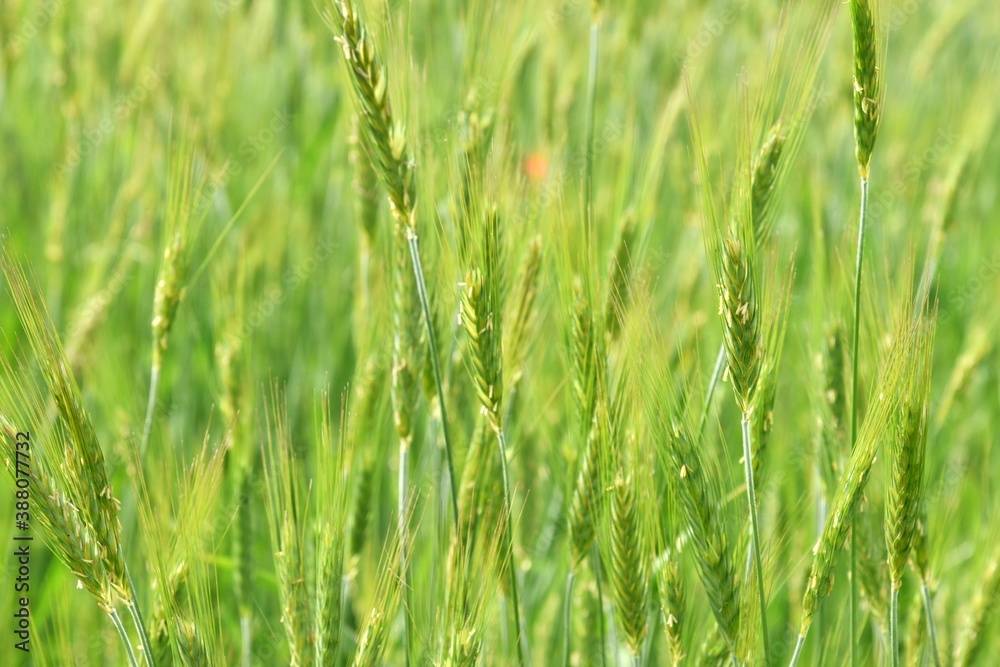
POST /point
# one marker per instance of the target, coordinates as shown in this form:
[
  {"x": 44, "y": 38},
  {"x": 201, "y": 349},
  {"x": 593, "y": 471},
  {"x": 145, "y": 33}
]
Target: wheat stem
[
  {"x": 755, "y": 532},
  {"x": 404, "y": 461},
  {"x": 931, "y": 627},
  {"x": 246, "y": 641},
  {"x": 568, "y": 619},
  {"x": 720, "y": 365},
  {"x": 588, "y": 173},
  {"x": 595, "y": 559},
  {"x": 154, "y": 383},
  {"x": 894, "y": 625},
  {"x": 863, "y": 217},
  {"x": 117, "y": 620},
  {"x": 140, "y": 625},
  {"x": 522, "y": 639},
  {"x": 798, "y": 651},
  {"x": 418, "y": 271}
]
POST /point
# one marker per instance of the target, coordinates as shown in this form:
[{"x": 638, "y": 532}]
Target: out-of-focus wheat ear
[
  {"x": 762, "y": 418},
  {"x": 871, "y": 568},
  {"x": 583, "y": 359},
  {"x": 907, "y": 446},
  {"x": 907, "y": 453},
  {"x": 898, "y": 364},
  {"x": 763, "y": 182},
  {"x": 335, "y": 457},
  {"x": 365, "y": 186},
  {"x": 620, "y": 273},
  {"x": 672, "y": 603},
  {"x": 368, "y": 401},
  {"x": 287, "y": 525},
  {"x": 979, "y": 614},
  {"x": 373, "y": 635},
  {"x": 520, "y": 323},
  {"x": 869, "y": 64},
  {"x": 916, "y": 634}
]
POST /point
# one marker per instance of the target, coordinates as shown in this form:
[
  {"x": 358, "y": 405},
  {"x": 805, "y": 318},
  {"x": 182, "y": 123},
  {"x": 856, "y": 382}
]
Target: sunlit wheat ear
[
  {"x": 844, "y": 507},
  {"x": 699, "y": 498},
  {"x": 672, "y": 602},
  {"x": 80, "y": 480},
  {"x": 740, "y": 310},
  {"x": 974, "y": 636},
  {"x": 907, "y": 445},
  {"x": 481, "y": 319},
  {"x": 869, "y": 61},
  {"x": 383, "y": 138},
  {"x": 628, "y": 542}
]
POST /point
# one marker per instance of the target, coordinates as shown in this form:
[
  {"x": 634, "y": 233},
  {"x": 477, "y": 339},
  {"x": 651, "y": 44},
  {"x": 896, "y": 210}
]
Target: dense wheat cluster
[{"x": 453, "y": 333}]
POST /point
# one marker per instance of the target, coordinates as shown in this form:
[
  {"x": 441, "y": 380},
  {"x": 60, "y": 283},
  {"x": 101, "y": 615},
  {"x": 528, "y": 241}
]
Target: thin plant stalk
[
  {"x": 522, "y": 639},
  {"x": 418, "y": 271},
  {"x": 595, "y": 557},
  {"x": 137, "y": 620},
  {"x": 931, "y": 627},
  {"x": 863, "y": 217},
  {"x": 245, "y": 641},
  {"x": 568, "y": 618},
  {"x": 588, "y": 173},
  {"x": 755, "y": 533},
  {"x": 404, "y": 543},
  {"x": 799, "y": 643},
  {"x": 117, "y": 620},
  {"x": 720, "y": 365},
  {"x": 894, "y": 626},
  {"x": 154, "y": 383}
]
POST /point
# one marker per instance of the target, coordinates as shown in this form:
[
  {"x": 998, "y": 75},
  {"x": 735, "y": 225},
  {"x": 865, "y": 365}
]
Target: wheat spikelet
[
  {"x": 763, "y": 182},
  {"x": 481, "y": 319},
  {"x": 383, "y": 138},
  {"x": 739, "y": 307},
  {"x": 286, "y": 521},
  {"x": 980, "y": 612},
  {"x": 365, "y": 185},
  {"x": 849, "y": 494},
  {"x": 868, "y": 93},
  {"x": 405, "y": 345},
  {"x": 628, "y": 554},
  {"x": 672, "y": 603},
  {"x": 620, "y": 274},
  {"x": 907, "y": 447},
  {"x": 698, "y": 497}
]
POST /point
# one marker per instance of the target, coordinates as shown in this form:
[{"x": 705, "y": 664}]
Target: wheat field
[{"x": 455, "y": 333}]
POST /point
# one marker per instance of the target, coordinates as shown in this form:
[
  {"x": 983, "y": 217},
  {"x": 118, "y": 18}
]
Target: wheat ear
[
  {"x": 385, "y": 141},
  {"x": 481, "y": 314},
  {"x": 868, "y": 97}
]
